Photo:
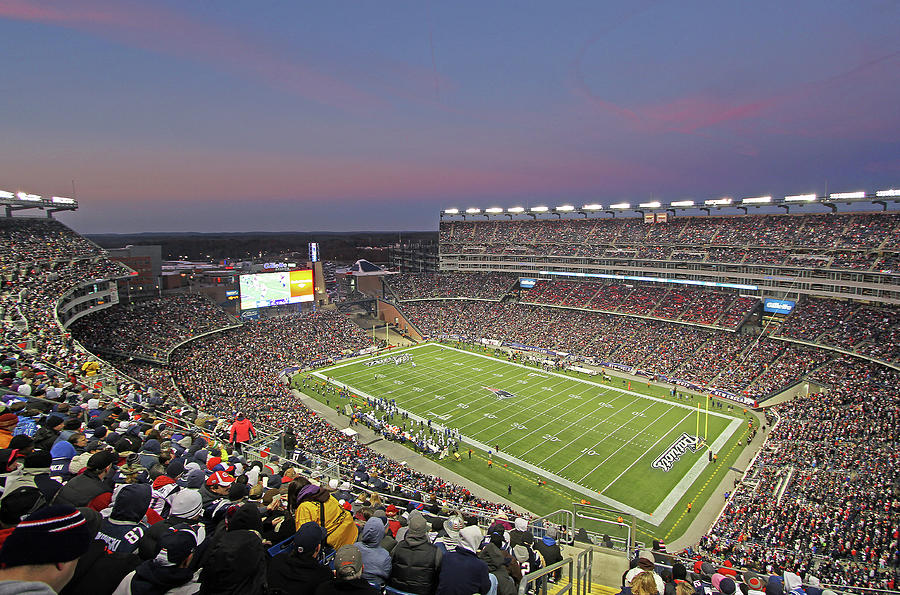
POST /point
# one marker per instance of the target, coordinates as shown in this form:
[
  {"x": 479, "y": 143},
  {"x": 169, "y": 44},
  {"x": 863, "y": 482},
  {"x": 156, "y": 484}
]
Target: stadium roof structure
[
  {"x": 880, "y": 197},
  {"x": 18, "y": 201},
  {"x": 363, "y": 268}
]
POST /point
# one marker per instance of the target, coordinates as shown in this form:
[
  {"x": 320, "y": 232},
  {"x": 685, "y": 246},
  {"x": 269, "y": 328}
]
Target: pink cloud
[
  {"x": 150, "y": 27},
  {"x": 700, "y": 114}
]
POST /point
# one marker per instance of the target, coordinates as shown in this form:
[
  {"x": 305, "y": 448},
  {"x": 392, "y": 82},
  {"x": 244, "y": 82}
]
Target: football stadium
[
  {"x": 423, "y": 298},
  {"x": 685, "y": 387}
]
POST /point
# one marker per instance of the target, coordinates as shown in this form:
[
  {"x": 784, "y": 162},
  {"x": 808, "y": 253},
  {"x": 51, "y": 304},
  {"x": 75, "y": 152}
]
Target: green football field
[{"x": 635, "y": 452}]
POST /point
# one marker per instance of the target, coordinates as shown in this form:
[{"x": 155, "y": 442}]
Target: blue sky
[{"x": 238, "y": 116}]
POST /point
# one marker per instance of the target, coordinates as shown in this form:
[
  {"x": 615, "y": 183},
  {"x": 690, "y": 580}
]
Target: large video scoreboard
[{"x": 262, "y": 290}]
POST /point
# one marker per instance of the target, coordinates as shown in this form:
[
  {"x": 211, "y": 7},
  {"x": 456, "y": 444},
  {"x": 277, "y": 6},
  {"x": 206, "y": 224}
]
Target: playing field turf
[{"x": 597, "y": 439}]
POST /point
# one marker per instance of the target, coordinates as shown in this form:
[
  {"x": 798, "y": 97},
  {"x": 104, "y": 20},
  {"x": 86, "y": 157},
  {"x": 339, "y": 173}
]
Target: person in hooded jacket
[
  {"x": 462, "y": 572},
  {"x": 169, "y": 572},
  {"x": 376, "y": 559},
  {"x": 415, "y": 562},
  {"x": 549, "y": 550},
  {"x": 149, "y": 455},
  {"x": 98, "y": 571},
  {"x": 236, "y": 565},
  {"x": 520, "y": 534},
  {"x": 123, "y": 529},
  {"x": 498, "y": 562},
  {"x": 297, "y": 571},
  {"x": 316, "y": 504}
]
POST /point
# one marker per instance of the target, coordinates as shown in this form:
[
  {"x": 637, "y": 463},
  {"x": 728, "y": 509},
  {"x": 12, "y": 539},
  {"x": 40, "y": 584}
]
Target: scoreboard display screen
[
  {"x": 778, "y": 306},
  {"x": 262, "y": 290}
]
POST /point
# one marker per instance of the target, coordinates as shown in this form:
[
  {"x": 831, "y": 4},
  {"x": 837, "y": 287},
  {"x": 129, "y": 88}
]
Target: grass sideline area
[{"x": 563, "y": 436}]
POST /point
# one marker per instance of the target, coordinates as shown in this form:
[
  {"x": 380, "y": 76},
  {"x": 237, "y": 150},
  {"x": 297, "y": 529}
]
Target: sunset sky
[{"x": 239, "y": 116}]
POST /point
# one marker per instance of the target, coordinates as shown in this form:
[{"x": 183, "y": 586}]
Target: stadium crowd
[
  {"x": 152, "y": 328},
  {"x": 708, "y": 358},
  {"x": 25, "y": 240},
  {"x": 119, "y": 491},
  {"x": 489, "y": 286},
  {"x": 852, "y": 241},
  {"x": 125, "y": 494},
  {"x": 821, "y": 496},
  {"x": 670, "y": 303},
  {"x": 867, "y": 330}
]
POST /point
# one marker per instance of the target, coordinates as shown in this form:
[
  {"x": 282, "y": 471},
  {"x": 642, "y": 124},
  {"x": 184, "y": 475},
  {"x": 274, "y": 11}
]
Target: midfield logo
[
  {"x": 667, "y": 459},
  {"x": 501, "y": 394}
]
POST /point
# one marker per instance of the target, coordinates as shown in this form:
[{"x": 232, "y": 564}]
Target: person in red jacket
[{"x": 242, "y": 431}]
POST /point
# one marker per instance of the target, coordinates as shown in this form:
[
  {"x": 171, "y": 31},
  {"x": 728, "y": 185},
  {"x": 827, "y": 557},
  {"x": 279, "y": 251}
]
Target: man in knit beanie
[{"x": 44, "y": 548}]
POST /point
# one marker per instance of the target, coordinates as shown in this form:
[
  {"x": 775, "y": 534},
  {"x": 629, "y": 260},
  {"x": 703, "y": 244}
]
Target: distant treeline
[{"x": 334, "y": 246}]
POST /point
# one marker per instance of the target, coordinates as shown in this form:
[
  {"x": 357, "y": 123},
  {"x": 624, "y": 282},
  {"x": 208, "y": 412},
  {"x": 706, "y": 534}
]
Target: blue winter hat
[{"x": 308, "y": 537}]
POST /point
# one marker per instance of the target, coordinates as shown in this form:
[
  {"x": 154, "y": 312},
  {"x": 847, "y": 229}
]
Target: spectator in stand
[
  {"x": 348, "y": 570},
  {"x": 124, "y": 528},
  {"x": 169, "y": 571},
  {"x": 376, "y": 559},
  {"x": 236, "y": 565},
  {"x": 317, "y": 505},
  {"x": 39, "y": 556},
  {"x": 297, "y": 571},
  {"x": 93, "y": 487},
  {"x": 415, "y": 562},
  {"x": 462, "y": 572},
  {"x": 549, "y": 550},
  {"x": 242, "y": 431},
  {"x": 8, "y": 422}
]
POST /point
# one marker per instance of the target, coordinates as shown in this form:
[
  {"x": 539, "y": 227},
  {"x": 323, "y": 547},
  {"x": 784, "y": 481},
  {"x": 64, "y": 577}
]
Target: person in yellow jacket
[{"x": 316, "y": 504}]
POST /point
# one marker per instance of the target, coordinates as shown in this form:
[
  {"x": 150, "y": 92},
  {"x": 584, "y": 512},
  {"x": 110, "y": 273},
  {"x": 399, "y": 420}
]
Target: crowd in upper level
[
  {"x": 151, "y": 328},
  {"x": 25, "y": 240},
  {"x": 868, "y": 330},
  {"x": 490, "y": 286},
  {"x": 675, "y": 302},
  {"x": 859, "y": 241}
]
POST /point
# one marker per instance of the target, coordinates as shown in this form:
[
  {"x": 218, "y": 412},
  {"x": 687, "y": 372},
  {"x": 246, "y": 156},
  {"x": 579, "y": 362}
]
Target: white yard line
[
  {"x": 687, "y": 415},
  {"x": 613, "y": 453},
  {"x": 661, "y": 511},
  {"x": 621, "y": 390},
  {"x": 603, "y": 421}
]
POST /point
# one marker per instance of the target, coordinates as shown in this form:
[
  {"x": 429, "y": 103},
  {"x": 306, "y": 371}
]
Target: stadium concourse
[{"x": 133, "y": 484}]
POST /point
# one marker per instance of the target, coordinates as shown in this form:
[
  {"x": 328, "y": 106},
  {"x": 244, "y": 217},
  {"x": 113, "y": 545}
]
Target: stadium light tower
[
  {"x": 558, "y": 211},
  {"x": 533, "y": 211}
]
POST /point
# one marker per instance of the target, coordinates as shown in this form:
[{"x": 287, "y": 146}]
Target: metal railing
[
  {"x": 579, "y": 574},
  {"x": 603, "y": 526},
  {"x": 584, "y": 565},
  {"x": 537, "y": 581}
]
